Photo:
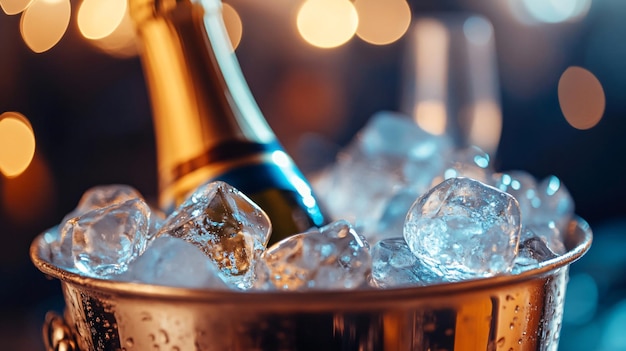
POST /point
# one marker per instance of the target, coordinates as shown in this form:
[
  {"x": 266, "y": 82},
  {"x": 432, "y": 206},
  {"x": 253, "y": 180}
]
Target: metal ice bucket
[{"x": 510, "y": 312}]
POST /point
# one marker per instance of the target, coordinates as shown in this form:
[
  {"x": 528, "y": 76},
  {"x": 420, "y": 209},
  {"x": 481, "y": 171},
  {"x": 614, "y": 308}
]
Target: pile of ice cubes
[{"x": 408, "y": 209}]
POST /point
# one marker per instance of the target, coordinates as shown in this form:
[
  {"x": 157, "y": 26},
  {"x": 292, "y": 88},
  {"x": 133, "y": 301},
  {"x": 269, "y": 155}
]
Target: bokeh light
[
  {"x": 232, "y": 21},
  {"x": 581, "y": 97},
  {"x": 483, "y": 116},
  {"x": 99, "y": 18},
  {"x": 382, "y": 22},
  {"x": 31, "y": 195},
  {"x": 327, "y": 23},
  {"x": 430, "y": 42},
  {"x": 122, "y": 42},
  {"x": 549, "y": 11},
  {"x": 582, "y": 299},
  {"x": 485, "y": 125},
  {"x": 478, "y": 30},
  {"x": 17, "y": 144},
  {"x": 13, "y": 7},
  {"x": 44, "y": 22},
  {"x": 613, "y": 337}
]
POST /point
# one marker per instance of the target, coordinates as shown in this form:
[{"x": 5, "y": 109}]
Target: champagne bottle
[{"x": 207, "y": 123}]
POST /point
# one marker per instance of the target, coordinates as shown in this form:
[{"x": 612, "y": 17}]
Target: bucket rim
[{"x": 578, "y": 239}]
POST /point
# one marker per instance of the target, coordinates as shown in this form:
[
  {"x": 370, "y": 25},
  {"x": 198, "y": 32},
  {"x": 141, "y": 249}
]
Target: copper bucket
[{"x": 509, "y": 312}]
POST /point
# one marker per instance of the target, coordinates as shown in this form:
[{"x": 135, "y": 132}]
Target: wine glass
[{"x": 450, "y": 78}]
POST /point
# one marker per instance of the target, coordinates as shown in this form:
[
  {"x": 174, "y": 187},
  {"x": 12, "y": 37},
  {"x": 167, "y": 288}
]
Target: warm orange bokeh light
[
  {"x": 17, "y": 144},
  {"x": 327, "y": 23},
  {"x": 122, "y": 42},
  {"x": 44, "y": 22},
  {"x": 13, "y": 7},
  {"x": 31, "y": 195},
  {"x": 99, "y": 18},
  {"x": 382, "y": 22},
  {"x": 581, "y": 98},
  {"x": 430, "y": 45},
  {"x": 485, "y": 124},
  {"x": 232, "y": 21}
]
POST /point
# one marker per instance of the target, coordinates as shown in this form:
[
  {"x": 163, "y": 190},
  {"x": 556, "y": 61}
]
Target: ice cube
[
  {"x": 105, "y": 195},
  {"x": 227, "y": 226},
  {"x": 464, "y": 229},
  {"x": 548, "y": 233},
  {"x": 390, "y": 133},
  {"x": 523, "y": 187},
  {"x": 332, "y": 257},
  {"x": 174, "y": 262},
  {"x": 532, "y": 251},
  {"x": 391, "y": 222},
  {"x": 102, "y": 196},
  {"x": 470, "y": 162},
  {"x": 94, "y": 198},
  {"x": 358, "y": 188},
  {"x": 556, "y": 204},
  {"x": 395, "y": 265},
  {"x": 391, "y": 152},
  {"x": 106, "y": 240},
  {"x": 59, "y": 252}
]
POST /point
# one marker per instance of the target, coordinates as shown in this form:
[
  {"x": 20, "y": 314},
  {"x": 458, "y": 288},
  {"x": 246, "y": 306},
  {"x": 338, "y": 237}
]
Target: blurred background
[{"x": 544, "y": 81}]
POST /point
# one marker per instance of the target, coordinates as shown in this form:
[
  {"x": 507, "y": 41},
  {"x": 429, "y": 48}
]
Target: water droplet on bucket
[
  {"x": 500, "y": 342},
  {"x": 129, "y": 342},
  {"x": 163, "y": 337}
]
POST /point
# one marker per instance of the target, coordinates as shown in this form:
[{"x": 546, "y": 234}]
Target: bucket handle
[{"x": 57, "y": 335}]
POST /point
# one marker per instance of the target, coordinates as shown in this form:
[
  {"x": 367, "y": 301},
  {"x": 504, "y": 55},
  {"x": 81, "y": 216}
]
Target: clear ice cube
[
  {"x": 390, "y": 133},
  {"x": 555, "y": 204},
  {"x": 548, "y": 233},
  {"x": 227, "y": 226},
  {"x": 105, "y": 195},
  {"x": 332, "y": 257},
  {"x": 106, "y": 240},
  {"x": 463, "y": 229},
  {"x": 523, "y": 187},
  {"x": 94, "y": 198},
  {"x": 470, "y": 162},
  {"x": 395, "y": 265},
  {"x": 59, "y": 251},
  {"x": 532, "y": 251},
  {"x": 391, "y": 222},
  {"x": 391, "y": 152},
  {"x": 171, "y": 261}
]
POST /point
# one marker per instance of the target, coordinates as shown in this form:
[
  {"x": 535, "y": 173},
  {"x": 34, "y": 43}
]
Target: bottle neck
[{"x": 203, "y": 110}]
